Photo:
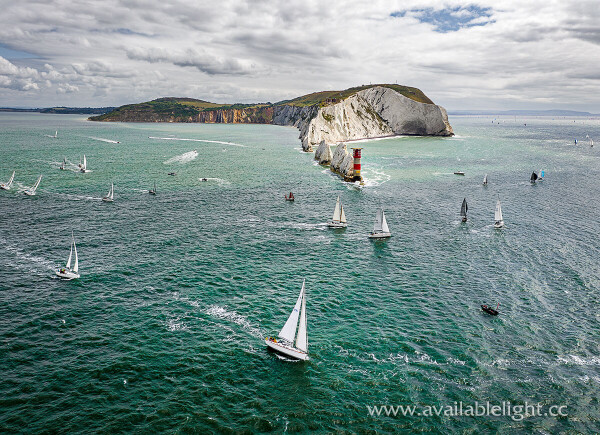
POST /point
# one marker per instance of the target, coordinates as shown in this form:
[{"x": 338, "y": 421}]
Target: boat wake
[
  {"x": 183, "y": 158},
  {"x": 103, "y": 140},
  {"x": 175, "y": 324},
  {"x": 222, "y": 313},
  {"x": 220, "y": 181},
  {"x": 27, "y": 258},
  {"x": 73, "y": 197},
  {"x": 199, "y": 140}
]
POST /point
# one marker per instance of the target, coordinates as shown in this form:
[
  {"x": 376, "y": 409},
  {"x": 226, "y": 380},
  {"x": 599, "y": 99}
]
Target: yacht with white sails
[{"x": 284, "y": 342}]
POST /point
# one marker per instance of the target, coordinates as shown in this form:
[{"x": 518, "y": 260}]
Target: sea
[{"x": 164, "y": 331}]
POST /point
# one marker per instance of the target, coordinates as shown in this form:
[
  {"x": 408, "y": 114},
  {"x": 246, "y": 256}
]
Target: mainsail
[
  {"x": 12, "y": 177},
  {"x": 302, "y": 339},
  {"x": 37, "y": 183},
  {"x": 342, "y": 215},
  {"x": 533, "y": 177},
  {"x": 377, "y": 228},
  {"x": 76, "y": 267},
  {"x": 464, "y": 208},
  {"x": 70, "y": 255},
  {"x": 337, "y": 211},
  {"x": 498, "y": 213},
  {"x": 384, "y": 225},
  {"x": 485, "y": 179},
  {"x": 289, "y": 329}
]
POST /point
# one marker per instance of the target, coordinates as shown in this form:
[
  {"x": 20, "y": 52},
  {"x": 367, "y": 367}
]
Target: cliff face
[
  {"x": 330, "y": 116},
  {"x": 374, "y": 112}
]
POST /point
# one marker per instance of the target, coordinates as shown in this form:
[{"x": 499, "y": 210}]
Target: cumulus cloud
[{"x": 463, "y": 54}]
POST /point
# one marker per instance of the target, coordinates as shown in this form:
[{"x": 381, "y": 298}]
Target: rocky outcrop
[
  {"x": 323, "y": 154},
  {"x": 374, "y": 112}
]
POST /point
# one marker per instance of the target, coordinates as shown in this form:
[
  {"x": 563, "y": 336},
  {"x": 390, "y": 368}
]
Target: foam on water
[
  {"x": 221, "y": 312},
  {"x": 103, "y": 140},
  {"x": 199, "y": 140},
  {"x": 182, "y": 158}
]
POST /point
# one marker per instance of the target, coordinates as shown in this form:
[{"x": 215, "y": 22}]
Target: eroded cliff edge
[{"x": 375, "y": 112}]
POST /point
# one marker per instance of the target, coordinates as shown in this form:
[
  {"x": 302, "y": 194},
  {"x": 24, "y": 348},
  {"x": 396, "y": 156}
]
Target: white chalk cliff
[{"x": 374, "y": 112}]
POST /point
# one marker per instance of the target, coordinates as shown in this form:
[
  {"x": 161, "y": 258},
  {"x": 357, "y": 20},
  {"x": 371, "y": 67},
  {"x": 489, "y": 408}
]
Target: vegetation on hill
[{"x": 174, "y": 109}]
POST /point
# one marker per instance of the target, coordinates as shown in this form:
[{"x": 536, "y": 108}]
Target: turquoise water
[{"x": 163, "y": 332}]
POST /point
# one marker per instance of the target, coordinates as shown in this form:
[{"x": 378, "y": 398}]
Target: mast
[
  {"x": 288, "y": 332},
  {"x": 302, "y": 338}
]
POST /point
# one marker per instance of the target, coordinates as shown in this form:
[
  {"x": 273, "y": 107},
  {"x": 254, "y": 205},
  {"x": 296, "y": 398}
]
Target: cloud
[
  {"x": 480, "y": 53},
  {"x": 202, "y": 61}
]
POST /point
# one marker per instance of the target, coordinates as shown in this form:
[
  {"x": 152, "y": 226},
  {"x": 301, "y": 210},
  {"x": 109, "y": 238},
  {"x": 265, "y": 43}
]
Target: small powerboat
[
  {"x": 172, "y": 173},
  {"x": 459, "y": 173},
  {"x": 490, "y": 310}
]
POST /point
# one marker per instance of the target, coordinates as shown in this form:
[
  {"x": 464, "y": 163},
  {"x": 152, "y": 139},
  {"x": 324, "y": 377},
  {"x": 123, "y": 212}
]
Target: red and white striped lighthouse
[{"x": 356, "y": 155}]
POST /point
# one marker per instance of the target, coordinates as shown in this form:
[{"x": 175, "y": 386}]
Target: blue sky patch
[
  {"x": 449, "y": 19},
  {"x": 8, "y": 53}
]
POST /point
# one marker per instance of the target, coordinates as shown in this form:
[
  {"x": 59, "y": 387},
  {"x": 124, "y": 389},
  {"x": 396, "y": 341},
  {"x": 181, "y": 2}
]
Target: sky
[{"x": 492, "y": 54}]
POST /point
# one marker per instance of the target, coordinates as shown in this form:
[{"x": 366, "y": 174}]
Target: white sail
[
  {"x": 76, "y": 267},
  {"x": 37, "y": 183},
  {"x": 56, "y": 133},
  {"x": 111, "y": 192},
  {"x": 84, "y": 166},
  {"x": 485, "y": 179},
  {"x": 343, "y": 215},
  {"x": 377, "y": 228},
  {"x": 498, "y": 213},
  {"x": 302, "y": 338},
  {"x": 336, "y": 212},
  {"x": 288, "y": 331},
  {"x": 12, "y": 177},
  {"x": 70, "y": 255},
  {"x": 384, "y": 225}
]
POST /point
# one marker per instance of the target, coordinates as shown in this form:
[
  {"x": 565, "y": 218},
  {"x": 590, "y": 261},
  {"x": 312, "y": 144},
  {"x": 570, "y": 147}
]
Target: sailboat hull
[
  {"x": 66, "y": 274},
  {"x": 499, "y": 224},
  {"x": 4, "y": 187},
  {"x": 380, "y": 235},
  {"x": 29, "y": 193},
  {"x": 286, "y": 350},
  {"x": 334, "y": 224},
  {"x": 107, "y": 199}
]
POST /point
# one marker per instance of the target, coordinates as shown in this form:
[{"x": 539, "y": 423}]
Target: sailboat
[
  {"x": 7, "y": 185},
  {"x": 498, "y": 221},
  {"x": 290, "y": 197},
  {"x": 339, "y": 217},
  {"x": 56, "y": 134},
  {"x": 485, "y": 180},
  {"x": 83, "y": 166},
  {"x": 110, "y": 195},
  {"x": 66, "y": 272},
  {"x": 463, "y": 210},
  {"x": 285, "y": 344},
  {"x": 63, "y": 164},
  {"x": 380, "y": 229},
  {"x": 153, "y": 191},
  {"x": 31, "y": 190},
  {"x": 534, "y": 177}
]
